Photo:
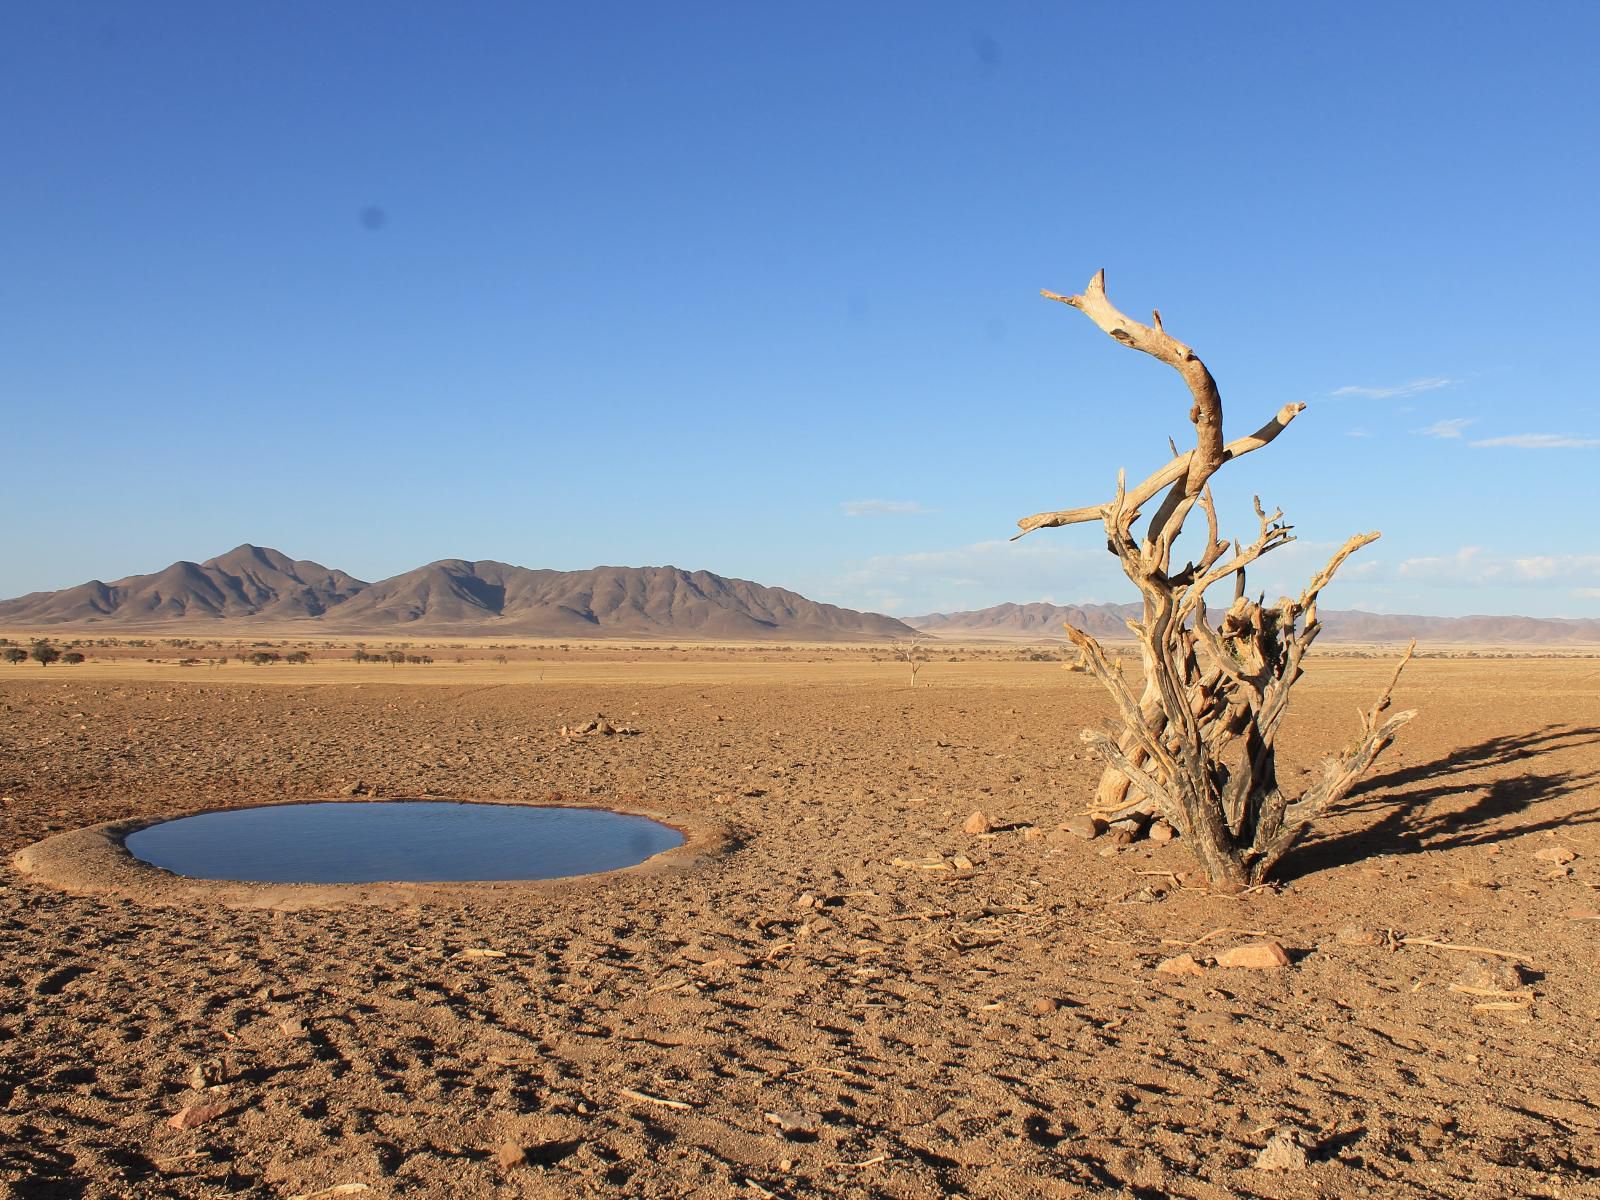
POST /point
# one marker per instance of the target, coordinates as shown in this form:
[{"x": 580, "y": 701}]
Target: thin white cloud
[
  {"x": 1357, "y": 433},
  {"x": 1450, "y": 427},
  {"x": 1470, "y": 565},
  {"x": 881, "y": 508},
  {"x": 1414, "y": 388},
  {"x": 1541, "y": 441}
]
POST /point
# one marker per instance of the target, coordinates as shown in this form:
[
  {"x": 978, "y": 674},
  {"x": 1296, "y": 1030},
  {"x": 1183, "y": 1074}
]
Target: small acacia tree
[
  {"x": 1198, "y": 745},
  {"x": 911, "y": 653}
]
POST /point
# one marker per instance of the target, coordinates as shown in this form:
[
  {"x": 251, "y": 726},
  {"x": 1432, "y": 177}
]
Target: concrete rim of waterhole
[{"x": 95, "y": 861}]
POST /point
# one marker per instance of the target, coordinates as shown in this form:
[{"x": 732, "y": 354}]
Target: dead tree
[{"x": 1198, "y": 746}]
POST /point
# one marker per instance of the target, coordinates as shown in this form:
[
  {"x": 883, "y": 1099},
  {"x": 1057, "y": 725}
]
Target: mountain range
[
  {"x": 1040, "y": 620},
  {"x": 262, "y": 587},
  {"x": 453, "y": 596}
]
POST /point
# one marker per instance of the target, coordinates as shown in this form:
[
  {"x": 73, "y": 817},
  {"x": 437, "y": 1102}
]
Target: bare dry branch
[
  {"x": 1155, "y": 341},
  {"x": 1165, "y": 477}
]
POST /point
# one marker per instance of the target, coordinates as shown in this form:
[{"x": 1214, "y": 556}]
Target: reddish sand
[{"x": 808, "y": 1010}]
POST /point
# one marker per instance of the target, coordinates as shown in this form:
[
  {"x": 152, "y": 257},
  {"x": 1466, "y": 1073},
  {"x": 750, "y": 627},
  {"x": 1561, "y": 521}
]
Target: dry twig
[{"x": 645, "y": 1098}]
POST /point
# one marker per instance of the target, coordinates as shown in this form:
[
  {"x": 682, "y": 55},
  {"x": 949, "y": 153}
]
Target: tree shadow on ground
[{"x": 1405, "y": 825}]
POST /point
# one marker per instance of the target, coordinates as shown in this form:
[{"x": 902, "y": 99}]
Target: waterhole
[{"x": 421, "y": 841}]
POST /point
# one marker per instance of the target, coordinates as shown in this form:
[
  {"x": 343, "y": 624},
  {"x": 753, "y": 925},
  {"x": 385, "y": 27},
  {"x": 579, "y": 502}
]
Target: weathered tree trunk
[{"x": 1198, "y": 746}]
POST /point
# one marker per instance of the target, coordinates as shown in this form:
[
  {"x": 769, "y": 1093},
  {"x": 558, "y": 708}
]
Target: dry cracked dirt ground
[{"x": 992, "y": 1031}]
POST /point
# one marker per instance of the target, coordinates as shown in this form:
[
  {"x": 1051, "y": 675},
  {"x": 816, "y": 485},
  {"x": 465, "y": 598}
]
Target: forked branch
[{"x": 1175, "y": 470}]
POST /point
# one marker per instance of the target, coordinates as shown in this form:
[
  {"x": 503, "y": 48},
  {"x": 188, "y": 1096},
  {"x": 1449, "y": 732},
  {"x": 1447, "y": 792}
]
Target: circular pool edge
[{"x": 94, "y": 861}]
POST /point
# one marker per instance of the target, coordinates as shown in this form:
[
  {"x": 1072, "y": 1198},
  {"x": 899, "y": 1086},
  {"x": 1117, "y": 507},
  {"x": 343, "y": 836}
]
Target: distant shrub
[
  {"x": 44, "y": 653},
  {"x": 16, "y": 654},
  {"x": 297, "y": 656},
  {"x": 72, "y": 657}
]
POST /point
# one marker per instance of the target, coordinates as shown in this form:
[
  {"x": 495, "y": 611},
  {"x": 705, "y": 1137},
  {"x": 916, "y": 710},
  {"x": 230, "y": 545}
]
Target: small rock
[
  {"x": 961, "y": 862},
  {"x": 196, "y": 1114},
  {"x": 977, "y": 823},
  {"x": 1086, "y": 827},
  {"x": 1130, "y": 825},
  {"x": 1358, "y": 935},
  {"x": 1121, "y": 837},
  {"x": 1183, "y": 964},
  {"x": 1559, "y": 855},
  {"x": 1255, "y": 956},
  {"x": 1491, "y": 974},
  {"x": 203, "y": 1074},
  {"x": 509, "y": 1154},
  {"x": 604, "y": 727},
  {"x": 1162, "y": 832},
  {"x": 1032, "y": 833},
  {"x": 806, "y": 900},
  {"x": 355, "y": 789},
  {"x": 1043, "y": 1006},
  {"x": 794, "y": 1121},
  {"x": 1282, "y": 1152}
]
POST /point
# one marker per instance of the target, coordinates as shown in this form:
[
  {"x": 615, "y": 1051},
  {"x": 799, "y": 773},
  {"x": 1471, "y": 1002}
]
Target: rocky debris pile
[{"x": 598, "y": 727}]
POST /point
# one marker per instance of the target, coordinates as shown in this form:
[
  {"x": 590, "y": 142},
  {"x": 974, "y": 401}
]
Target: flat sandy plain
[{"x": 998, "y": 1031}]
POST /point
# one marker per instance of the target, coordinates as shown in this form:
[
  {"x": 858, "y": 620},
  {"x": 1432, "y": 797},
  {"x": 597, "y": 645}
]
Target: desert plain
[{"x": 840, "y": 992}]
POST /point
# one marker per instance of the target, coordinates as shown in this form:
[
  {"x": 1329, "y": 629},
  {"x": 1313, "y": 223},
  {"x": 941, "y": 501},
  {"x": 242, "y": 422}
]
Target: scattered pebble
[
  {"x": 1490, "y": 974},
  {"x": 1359, "y": 935},
  {"x": 192, "y": 1115},
  {"x": 1283, "y": 1152},
  {"x": 1086, "y": 827},
  {"x": 509, "y": 1154},
  {"x": 1255, "y": 956}
]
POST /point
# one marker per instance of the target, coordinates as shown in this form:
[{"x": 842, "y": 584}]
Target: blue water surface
[{"x": 424, "y": 841}]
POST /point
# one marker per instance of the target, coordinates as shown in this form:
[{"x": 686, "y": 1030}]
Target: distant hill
[
  {"x": 248, "y": 581},
  {"x": 458, "y": 596},
  {"x": 1037, "y": 620},
  {"x": 452, "y": 596},
  {"x": 1041, "y": 620}
]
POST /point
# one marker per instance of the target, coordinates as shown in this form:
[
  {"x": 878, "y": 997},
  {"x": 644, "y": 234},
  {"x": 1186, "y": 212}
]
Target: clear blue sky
[{"x": 753, "y": 287}]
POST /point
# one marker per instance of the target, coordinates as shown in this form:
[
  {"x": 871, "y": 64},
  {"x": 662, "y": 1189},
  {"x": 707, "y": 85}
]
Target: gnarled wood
[
  {"x": 1199, "y": 745},
  {"x": 1177, "y": 469}
]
